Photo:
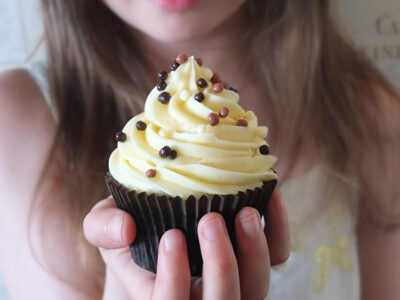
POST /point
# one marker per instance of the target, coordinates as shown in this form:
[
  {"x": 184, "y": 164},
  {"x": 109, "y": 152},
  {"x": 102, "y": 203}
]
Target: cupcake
[{"x": 193, "y": 150}]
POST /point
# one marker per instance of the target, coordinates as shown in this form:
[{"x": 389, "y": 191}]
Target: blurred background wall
[
  {"x": 373, "y": 26},
  {"x": 20, "y": 32}
]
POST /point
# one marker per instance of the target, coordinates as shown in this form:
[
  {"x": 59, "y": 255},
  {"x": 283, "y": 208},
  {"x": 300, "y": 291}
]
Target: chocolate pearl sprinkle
[
  {"x": 162, "y": 85},
  {"x": 242, "y": 122},
  {"x": 264, "y": 150},
  {"x": 218, "y": 87},
  {"x": 199, "y": 97},
  {"x": 120, "y": 137},
  {"x": 140, "y": 125},
  {"x": 165, "y": 152},
  {"x": 215, "y": 78},
  {"x": 213, "y": 119},
  {"x": 181, "y": 58},
  {"x": 202, "y": 83},
  {"x": 173, "y": 154},
  {"x": 163, "y": 75},
  {"x": 151, "y": 173},
  {"x": 273, "y": 170},
  {"x": 174, "y": 66},
  {"x": 164, "y": 97},
  {"x": 224, "y": 112},
  {"x": 199, "y": 61}
]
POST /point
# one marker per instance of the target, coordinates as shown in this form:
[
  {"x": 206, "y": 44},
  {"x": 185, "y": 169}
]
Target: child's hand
[{"x": 224, "y": 276}]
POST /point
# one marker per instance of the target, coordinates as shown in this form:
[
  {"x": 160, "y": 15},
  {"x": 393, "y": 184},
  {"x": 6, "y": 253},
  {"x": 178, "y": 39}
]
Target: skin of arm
[
  {"x": 378, "y": 229},
  {"x": 379, "y": 257},
  {"x": 26, "y": 134}
]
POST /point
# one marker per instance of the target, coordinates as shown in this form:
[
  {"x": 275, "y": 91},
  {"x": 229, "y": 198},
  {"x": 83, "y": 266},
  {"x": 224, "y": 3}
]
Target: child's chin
[{"x": 176, "y": 33}]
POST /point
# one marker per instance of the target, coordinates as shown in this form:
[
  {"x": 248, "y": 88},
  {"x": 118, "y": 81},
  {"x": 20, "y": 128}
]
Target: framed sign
[{"x": 374, "y": 28}]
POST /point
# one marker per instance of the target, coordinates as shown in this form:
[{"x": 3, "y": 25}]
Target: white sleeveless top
[
  {"x": 37, "y": 70},
  {"x": 323, "y": 263}
]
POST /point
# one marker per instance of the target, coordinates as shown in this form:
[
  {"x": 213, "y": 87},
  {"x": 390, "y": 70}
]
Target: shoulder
[
  {"x": 378, "y": 230},
  {"x": 26, "y": 134},
  {"x": 20, "y": 95},
  {"x": 26, "y": 126},
  {"x": 21, "y": 102},
  {"x": 379, "y": 161},
  {"x": 27, "y": 131}
]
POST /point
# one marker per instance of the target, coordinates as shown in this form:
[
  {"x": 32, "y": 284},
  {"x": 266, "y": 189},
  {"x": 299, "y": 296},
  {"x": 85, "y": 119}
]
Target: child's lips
[{"x": 174, "y": 5}]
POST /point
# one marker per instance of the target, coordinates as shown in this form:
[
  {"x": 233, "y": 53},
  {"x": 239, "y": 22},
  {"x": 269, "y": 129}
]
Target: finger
[
  {"x": 109, "y": 227},
  {"x": 277, "y": 230},
  {"x": 112, "y": 230},
  {"x": 253, "y": 256},
  {"x": 196, "y": 289},
  {"x": 105, "y": 203},
  {"x": 173, "y": 274},
  {"x": 220, "y": 271},
  {"x": 137, "y": 282}
]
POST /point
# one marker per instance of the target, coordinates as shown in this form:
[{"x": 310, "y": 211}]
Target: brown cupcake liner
[{"x": 154, "y": 215}]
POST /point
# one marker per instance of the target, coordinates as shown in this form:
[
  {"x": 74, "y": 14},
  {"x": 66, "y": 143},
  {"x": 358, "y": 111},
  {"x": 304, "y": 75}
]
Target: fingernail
[
  {"x": 172, "y": 241},
  {"x": 213, "y": 229},
  {"x": 113, "y": 228},
  {"x": 251, "y": 224}
]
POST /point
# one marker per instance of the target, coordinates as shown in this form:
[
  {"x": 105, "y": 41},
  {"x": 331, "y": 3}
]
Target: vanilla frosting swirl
[{"x": 222, "y": 159}]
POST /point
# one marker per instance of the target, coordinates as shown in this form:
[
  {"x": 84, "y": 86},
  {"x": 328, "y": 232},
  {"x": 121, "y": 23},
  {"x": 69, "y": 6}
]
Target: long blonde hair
[{"x": 322, "y": 90}]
